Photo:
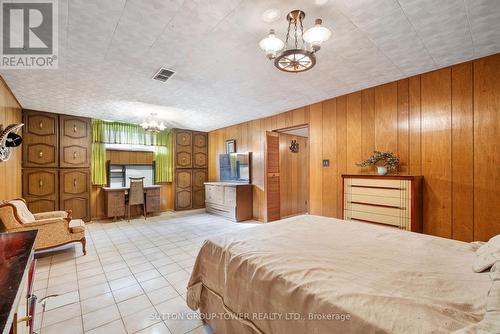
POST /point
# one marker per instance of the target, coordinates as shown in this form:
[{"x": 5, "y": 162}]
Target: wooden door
[
  {"x": 183, "y": 149},
  {"x": 272, "y": 180},
  {"x": 200, "y": 150},
  {"x": 199, "y": 178},
  {"x": 183, "y": 189},
  {"x": 40, "y": 139},
  {"x": 75, "y": 192},
  {"x": 294, "y": 175},
  {"x": 40, "y": 189},
  {"x": 74, "y": 147}
]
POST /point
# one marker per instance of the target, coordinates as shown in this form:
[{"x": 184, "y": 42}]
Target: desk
[{"x": 114, "y": 199}]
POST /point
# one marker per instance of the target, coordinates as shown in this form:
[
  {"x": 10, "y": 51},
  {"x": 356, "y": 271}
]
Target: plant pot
[{"x": 381, "y": 170}]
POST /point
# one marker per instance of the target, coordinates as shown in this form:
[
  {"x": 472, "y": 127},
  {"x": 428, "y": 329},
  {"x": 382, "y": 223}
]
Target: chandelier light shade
[
  {"x": 271, "y": 45},
  {"x": 299, "y": 56},
  {"x": 153, "y": 125}
]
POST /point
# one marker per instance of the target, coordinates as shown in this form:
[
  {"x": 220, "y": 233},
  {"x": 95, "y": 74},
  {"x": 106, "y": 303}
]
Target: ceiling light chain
[{"x": 297, "y": 59}]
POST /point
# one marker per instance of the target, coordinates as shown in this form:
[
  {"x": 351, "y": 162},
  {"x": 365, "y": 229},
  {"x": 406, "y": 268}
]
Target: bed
[{"x": 311, "y": 274}]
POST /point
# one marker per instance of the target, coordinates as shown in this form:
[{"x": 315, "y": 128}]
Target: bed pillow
[
  {"x": 491, "y": 246},
  {"x": 495, "y": 272},
  {"x": 486, "y": 261}
]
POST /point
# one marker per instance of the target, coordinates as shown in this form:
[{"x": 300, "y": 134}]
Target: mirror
[{"x": 235, "y": 167}]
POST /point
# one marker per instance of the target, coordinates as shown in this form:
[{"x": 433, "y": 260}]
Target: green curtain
[
  {"x": 98, "y": 164},
  {"x": 124, "y": 133}
]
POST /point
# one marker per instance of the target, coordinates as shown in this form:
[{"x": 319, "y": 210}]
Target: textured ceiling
[{"x": 109, "y": 50}]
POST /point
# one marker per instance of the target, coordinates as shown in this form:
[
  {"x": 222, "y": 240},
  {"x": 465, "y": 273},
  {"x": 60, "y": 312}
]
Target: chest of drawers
[
  {"x": 389, "y": 200},
  {"x": 231, "y": 200}
]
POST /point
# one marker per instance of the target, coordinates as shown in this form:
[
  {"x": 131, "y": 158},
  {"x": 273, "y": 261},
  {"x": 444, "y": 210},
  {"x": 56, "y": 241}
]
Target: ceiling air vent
[{"x": 163, "y": 74}]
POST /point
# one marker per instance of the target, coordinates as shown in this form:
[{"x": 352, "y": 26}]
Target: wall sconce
[{"x": 9, "y": 139}]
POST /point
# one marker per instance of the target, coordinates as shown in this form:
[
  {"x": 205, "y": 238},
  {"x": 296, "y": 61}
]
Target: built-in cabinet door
[
  {"x": 75, "y": 189},
  {"x": 200, "y": 150},
  {"x": 153, "y": 200},
  {"x": 40, "y": 189},
  {"x": 183, "y": 149},
  {"x": 74, "y": 148},
  {"x": 40, "y": 135},
  {"x": 183, "y": 189},
  {"x": 199, "y": 179}
]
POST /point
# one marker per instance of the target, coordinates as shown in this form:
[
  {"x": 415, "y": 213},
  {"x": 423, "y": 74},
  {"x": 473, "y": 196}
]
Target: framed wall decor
[{"x": 231, "y": 146}]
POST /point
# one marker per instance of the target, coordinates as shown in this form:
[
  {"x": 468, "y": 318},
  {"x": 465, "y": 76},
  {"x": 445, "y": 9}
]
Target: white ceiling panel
[{"x": 109, "y": 51}]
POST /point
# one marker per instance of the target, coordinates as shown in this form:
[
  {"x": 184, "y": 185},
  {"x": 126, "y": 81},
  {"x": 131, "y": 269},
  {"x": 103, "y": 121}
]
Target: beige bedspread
[{"x": 382, "y": 279}]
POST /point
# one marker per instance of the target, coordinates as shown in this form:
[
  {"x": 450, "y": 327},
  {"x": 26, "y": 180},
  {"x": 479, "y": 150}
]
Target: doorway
[{"x": 287, "y": 172}]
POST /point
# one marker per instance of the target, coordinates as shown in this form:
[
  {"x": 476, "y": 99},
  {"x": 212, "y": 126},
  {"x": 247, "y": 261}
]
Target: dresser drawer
[
  {"x": 380, "y": 183},
  {"x": 360, "y": 190},
  {"x": 214, "y": 194},
  {"x": 386, "y": 200},
  {"x": 376, "y": 218},
  {"x": 373, "y": 199},
  {"x": 379, "y": 210},
  {"x": 230, "y": 196}
]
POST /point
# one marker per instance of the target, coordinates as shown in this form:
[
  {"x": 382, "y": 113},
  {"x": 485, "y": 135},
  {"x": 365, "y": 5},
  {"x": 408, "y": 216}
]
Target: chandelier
[
  {"x": 300, "y": 56},
  {"x": 153, "y": 125}
]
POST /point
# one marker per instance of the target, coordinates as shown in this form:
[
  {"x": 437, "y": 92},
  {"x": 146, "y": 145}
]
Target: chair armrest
[
  {"x": 52, "y": 214},
  {"x": 47, "y": 221}
]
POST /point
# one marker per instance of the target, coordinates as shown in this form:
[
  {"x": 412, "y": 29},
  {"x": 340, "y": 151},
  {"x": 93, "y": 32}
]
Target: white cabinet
[{"x": 231, "y": 200}]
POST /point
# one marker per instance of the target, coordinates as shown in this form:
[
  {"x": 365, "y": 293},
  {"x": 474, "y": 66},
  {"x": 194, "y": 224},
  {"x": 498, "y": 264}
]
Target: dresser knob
[
  {"x": 74, "y": 128},
  {"x": 74, "y": 155},
  {"x": 40, "y": 183},
  {"x": 74, "y": 183},
  {"x": 40, "y": 125},
  {"x": 40, "y": 154}
]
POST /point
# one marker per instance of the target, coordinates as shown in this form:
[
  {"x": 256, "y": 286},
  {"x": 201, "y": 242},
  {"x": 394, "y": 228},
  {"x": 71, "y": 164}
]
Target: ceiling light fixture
[
  {"x": 301, "y": 56},
  {"x": 153, "y": 125}
]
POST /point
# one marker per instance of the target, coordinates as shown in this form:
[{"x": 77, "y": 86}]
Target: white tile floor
[{"x": 132, "y": 273}]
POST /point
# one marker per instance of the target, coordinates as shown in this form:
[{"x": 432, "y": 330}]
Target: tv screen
[{"x": 235, "y": 167}]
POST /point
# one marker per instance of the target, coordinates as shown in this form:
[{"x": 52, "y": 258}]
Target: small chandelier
[
  {"x": 301, "y": 56},
  {"x": 153, "y": 125}
]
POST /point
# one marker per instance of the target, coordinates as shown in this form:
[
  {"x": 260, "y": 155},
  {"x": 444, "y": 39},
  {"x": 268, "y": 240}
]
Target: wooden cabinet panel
[
  {"x": 200, "y": 150},
  {"x": 191, "y": 151},
  {"x": 40, "y": 139},
  {"x": 40, "y": 189},
  {"x": 183, "y": 149},
  {"x": 74, "y": 141},
  {"x": 114, "y": 203},
  {"x": 41, "y": 154},
  {"x": 74, "y": 182},
  {"x": 199, "y": 179},
  {"x": 79, "y": 205},
  {"x": 183, "y": 189},
  {"x": 75, "y": 192},
  {"x": 153, "y": 200}
]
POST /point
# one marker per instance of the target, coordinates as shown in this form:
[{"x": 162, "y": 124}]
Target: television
[{"x": 235, "y": 167}]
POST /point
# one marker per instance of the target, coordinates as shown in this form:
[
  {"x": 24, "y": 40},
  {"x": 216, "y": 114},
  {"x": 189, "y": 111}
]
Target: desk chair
[{"x": 136, "y": 194}]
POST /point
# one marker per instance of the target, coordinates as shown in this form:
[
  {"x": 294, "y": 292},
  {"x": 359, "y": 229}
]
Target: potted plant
[{"x": 390, "y": 162}]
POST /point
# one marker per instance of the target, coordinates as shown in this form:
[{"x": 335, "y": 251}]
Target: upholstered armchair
[{"x": 55, "y": 228}]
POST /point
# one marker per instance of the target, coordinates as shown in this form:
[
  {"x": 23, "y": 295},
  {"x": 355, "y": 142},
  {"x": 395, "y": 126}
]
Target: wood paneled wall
[
  {"x": 129, "y": 157},
  {"x": 10, "y": 171},
  {"x": 444, "y": 125},
  {"x": 294, "y": 175}
]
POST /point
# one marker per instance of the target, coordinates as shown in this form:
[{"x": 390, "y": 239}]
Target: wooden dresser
[
  {"x": 56, "y": 163},
  {"x": 231, "y": 200},
  {"x": 190, "y": 163},
  {"x": 393, "y": 200}
]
